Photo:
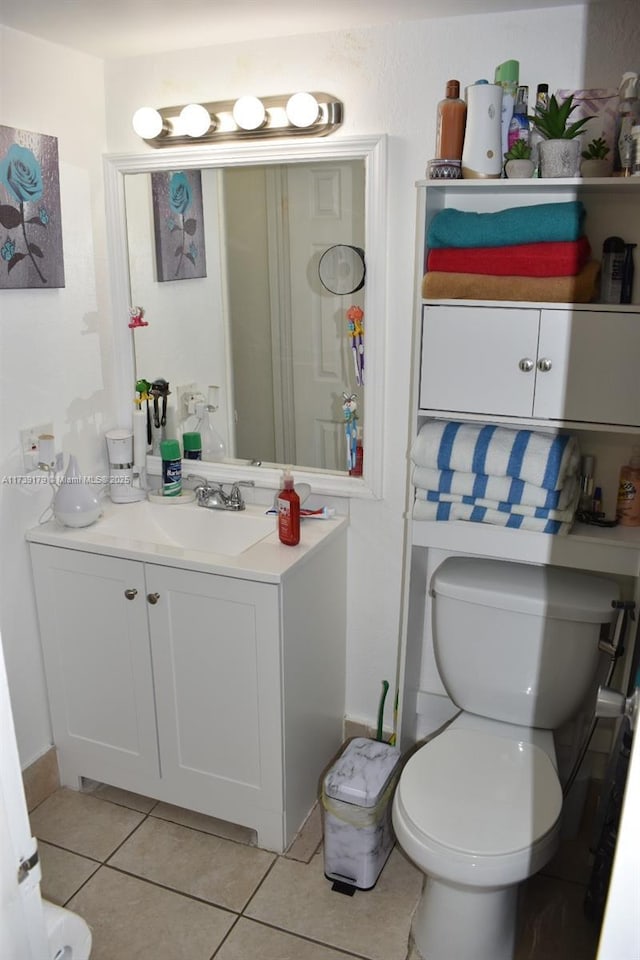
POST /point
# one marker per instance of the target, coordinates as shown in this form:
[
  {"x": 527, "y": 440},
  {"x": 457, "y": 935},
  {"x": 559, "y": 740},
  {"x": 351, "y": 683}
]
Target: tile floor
[{"x": 156, "y": 882}]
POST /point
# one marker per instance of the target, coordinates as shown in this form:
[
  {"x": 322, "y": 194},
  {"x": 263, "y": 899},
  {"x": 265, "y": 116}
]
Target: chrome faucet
[{"x": 215, "y": 498}]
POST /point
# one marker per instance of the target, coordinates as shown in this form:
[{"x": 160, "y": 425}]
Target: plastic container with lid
[
  {"x": 628, "y": 506},
  {"x": 356, "y": 797},
  {"x": 171, "y": 468}
]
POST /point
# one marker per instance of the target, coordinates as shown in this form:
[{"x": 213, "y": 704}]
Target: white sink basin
[{"x": 187, "y": 526}]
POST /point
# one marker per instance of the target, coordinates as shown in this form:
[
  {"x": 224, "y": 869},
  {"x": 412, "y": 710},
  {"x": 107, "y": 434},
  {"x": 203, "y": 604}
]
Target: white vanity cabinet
[
  {"x": 528, "y": 362},
  {"x": 221, "y": 694}
]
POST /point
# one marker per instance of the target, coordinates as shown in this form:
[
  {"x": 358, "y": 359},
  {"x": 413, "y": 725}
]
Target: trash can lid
[{"x": 360, "y": 775}]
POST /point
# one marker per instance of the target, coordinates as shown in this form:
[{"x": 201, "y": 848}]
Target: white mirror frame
[{"x": 370, "y": 149}]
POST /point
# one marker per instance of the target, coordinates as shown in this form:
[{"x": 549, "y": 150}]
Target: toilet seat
[{"x": 473, "y": 807}]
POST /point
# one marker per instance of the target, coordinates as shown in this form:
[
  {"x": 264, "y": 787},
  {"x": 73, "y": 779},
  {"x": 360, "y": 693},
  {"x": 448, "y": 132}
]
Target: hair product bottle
[
  {"x": 452, "y": 113},
  {"x": 288, "y": 512},
  {"x": 628, "y": 507},
  {"x": 519, "y": 128},
  {"x": 171, "y": 468}
]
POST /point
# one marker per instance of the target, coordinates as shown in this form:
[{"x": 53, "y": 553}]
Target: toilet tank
[{"x": 517, "y": 642}]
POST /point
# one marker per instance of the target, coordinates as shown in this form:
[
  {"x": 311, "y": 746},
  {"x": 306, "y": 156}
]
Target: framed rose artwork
[
  {"x": 30, "y": 221},
  {"x": 178, "y": 225}
]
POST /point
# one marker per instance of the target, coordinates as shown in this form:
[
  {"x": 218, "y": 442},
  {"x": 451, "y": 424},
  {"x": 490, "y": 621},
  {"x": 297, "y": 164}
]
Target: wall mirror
[{"x": 260, "y": 324}]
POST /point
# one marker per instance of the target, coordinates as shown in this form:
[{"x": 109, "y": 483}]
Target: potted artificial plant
[
  {"x": 559, "y": 151},
  {"x": 594, "y": 159},
  {"x": 518, "y": 163}
]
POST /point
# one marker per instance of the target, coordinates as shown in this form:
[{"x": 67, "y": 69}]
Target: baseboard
[{"x": 41, "y": 778}]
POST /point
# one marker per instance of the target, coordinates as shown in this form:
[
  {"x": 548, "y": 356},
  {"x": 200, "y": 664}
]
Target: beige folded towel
[{"x": 582, "y": 288}]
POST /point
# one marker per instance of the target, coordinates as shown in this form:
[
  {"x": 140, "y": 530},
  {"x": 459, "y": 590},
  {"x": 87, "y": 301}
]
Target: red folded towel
[{"x": 556, "y": 259}]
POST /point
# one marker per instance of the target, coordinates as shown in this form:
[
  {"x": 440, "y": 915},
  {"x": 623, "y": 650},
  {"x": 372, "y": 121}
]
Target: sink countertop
[{"x": 268, "y": 560}]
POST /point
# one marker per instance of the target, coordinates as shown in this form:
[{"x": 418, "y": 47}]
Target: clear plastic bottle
[
  {"x": 452, "y": 113},
  {"x": 288, "y": 512},
  {"x": 213, "y": 447},
  {"x": 628, "y": 506},
  {"x": 519, "y": 128},
  {"x": 628, "y": 116}
]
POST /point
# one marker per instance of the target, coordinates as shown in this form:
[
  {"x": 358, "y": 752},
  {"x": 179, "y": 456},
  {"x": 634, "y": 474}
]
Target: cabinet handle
[
  {"x": 526, "y": 365},
  {"x": 544, "y": 365},
  {"x": 153, "y": 597},
  {"x": 131, "y": 593}
]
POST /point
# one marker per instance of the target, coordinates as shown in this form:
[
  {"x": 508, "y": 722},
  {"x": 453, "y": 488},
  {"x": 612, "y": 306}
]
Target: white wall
[
  {"x": 390, "y": 79},
  {"x": 55, "y": 345}
]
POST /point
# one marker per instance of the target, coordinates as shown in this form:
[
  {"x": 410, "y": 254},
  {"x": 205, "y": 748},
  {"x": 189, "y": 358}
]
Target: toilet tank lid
[{"x": 552, "y": 592}]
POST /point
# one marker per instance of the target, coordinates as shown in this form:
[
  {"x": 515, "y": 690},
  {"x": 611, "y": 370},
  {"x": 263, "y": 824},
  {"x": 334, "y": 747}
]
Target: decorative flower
[
  {"x": 179, "y": 193},
  {"x": 21, "y": 175},
  {"x": 180, "y": 199},
  {"x": 8, "y": 249}
]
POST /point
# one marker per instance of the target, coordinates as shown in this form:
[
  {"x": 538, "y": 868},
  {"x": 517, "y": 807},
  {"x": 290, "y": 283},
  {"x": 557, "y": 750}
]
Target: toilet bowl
[
  {"x": 478, "y": 807},
  {"x": 478, "y": 812},
  {"x": 68, "y": 934}
]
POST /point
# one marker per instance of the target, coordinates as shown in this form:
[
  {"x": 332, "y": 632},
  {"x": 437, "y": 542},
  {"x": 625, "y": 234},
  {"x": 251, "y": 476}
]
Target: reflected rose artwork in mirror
[
  {"x": 178, "y": 225},
  {"x": 31, "y": 242}
]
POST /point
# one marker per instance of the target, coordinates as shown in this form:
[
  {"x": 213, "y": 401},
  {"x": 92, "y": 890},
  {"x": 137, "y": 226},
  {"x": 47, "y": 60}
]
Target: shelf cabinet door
[
  {"x": 593, "y": 358},
  {"x": 95, "y": 638},
  {"x": 479, "y": 359},
  {"x": 216, "y": 657}
]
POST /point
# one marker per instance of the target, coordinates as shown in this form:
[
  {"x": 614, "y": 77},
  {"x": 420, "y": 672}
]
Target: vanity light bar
[{"x": 249, "y": 118}]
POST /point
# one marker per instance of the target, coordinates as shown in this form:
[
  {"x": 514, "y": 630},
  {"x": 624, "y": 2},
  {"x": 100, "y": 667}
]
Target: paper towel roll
[{"x": 139, "y": 438}]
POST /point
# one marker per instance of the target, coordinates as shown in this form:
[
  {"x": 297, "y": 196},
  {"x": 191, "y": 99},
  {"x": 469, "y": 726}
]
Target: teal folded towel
[{"x": 540, "y": 223}]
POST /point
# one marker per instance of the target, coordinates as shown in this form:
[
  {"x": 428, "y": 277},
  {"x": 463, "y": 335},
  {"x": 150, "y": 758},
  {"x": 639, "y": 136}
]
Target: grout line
[
  {"x": 302, "y": 936},
  {"x": 164, "y": 886}
]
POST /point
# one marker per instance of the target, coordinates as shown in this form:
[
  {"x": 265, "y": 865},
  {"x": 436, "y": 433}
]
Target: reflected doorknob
[
  {"x": 544, "y": 365},
  {"x": 153, "y": 597}
]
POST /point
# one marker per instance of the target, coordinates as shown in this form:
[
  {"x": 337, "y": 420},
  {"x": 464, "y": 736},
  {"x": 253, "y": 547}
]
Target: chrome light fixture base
[{"x": 262, "y": 118}]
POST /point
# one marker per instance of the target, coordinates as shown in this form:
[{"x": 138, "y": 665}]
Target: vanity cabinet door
[
  {"x": 588, "y": 366},
  {"x": 216, "y": 657},
  {"x": 93, "y": 626},
  {"x": 479, "y": 359}
]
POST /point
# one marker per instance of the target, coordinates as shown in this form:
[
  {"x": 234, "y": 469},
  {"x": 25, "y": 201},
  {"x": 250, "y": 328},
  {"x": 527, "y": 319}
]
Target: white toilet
[
  {"x": 478, "y": 807},
  {"x": 68, "y": 934}
]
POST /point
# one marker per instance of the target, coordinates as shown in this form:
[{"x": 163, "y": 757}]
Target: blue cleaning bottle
[{"x": 519, "y": 126}]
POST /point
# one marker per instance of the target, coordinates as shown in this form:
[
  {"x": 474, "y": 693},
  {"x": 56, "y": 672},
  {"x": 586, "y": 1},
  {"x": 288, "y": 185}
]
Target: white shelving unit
[{"x": 466, "y": 356}]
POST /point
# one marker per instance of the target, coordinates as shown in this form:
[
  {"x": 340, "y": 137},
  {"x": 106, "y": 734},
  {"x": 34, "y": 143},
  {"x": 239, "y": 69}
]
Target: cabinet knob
[
  {"x": 131, "y": 593},
  {"x": 526, "y": 365},
  {"x": 544, "y": 365},
  {"x": 153, "y": 597}
]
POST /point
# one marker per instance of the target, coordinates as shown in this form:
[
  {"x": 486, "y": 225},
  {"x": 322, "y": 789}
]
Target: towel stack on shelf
[
  {"x": 523, "y": 479},
  {"x": 535, "y": 253}
]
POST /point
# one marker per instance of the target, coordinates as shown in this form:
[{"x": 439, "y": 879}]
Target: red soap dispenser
[{"x": 288, "y": 512}]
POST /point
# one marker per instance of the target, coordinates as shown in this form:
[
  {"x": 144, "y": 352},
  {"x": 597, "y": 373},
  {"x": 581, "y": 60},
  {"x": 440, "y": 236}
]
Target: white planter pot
[
  {"x": 559, "y": 158},
  {"x": 595, "y": 167},
  {"x": 519, "y": 169}
]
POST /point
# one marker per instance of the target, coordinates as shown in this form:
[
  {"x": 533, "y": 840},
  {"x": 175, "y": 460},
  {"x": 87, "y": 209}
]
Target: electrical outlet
[
  {"x": 183, "y": 394},
  {"x": 30, "y": 444}
]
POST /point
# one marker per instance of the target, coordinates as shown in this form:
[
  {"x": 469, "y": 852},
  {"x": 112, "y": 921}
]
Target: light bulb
[
  {"x": 195, "y": 120},
  {"x": 249, "y": 113},
  {"x": 303, "y": 109},
  {"x": 147, "y": 123}
]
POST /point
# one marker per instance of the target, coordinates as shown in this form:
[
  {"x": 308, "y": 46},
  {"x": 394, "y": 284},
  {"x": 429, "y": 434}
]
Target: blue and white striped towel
[
  {"x": 543, "y": 459},
  {"x": 494, "y": 488},
  {"x": 502, "y": 506},
  {"x": 423, "y": 510}
]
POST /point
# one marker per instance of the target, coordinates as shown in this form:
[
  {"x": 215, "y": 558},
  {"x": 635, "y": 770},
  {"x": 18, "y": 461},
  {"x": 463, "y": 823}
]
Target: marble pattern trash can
[{"x": 356, "y": 801}]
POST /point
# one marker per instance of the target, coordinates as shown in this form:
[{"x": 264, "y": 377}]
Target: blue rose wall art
[
  {"x": 178, "y": 225},
  {"x": 30, "y": 221}
]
